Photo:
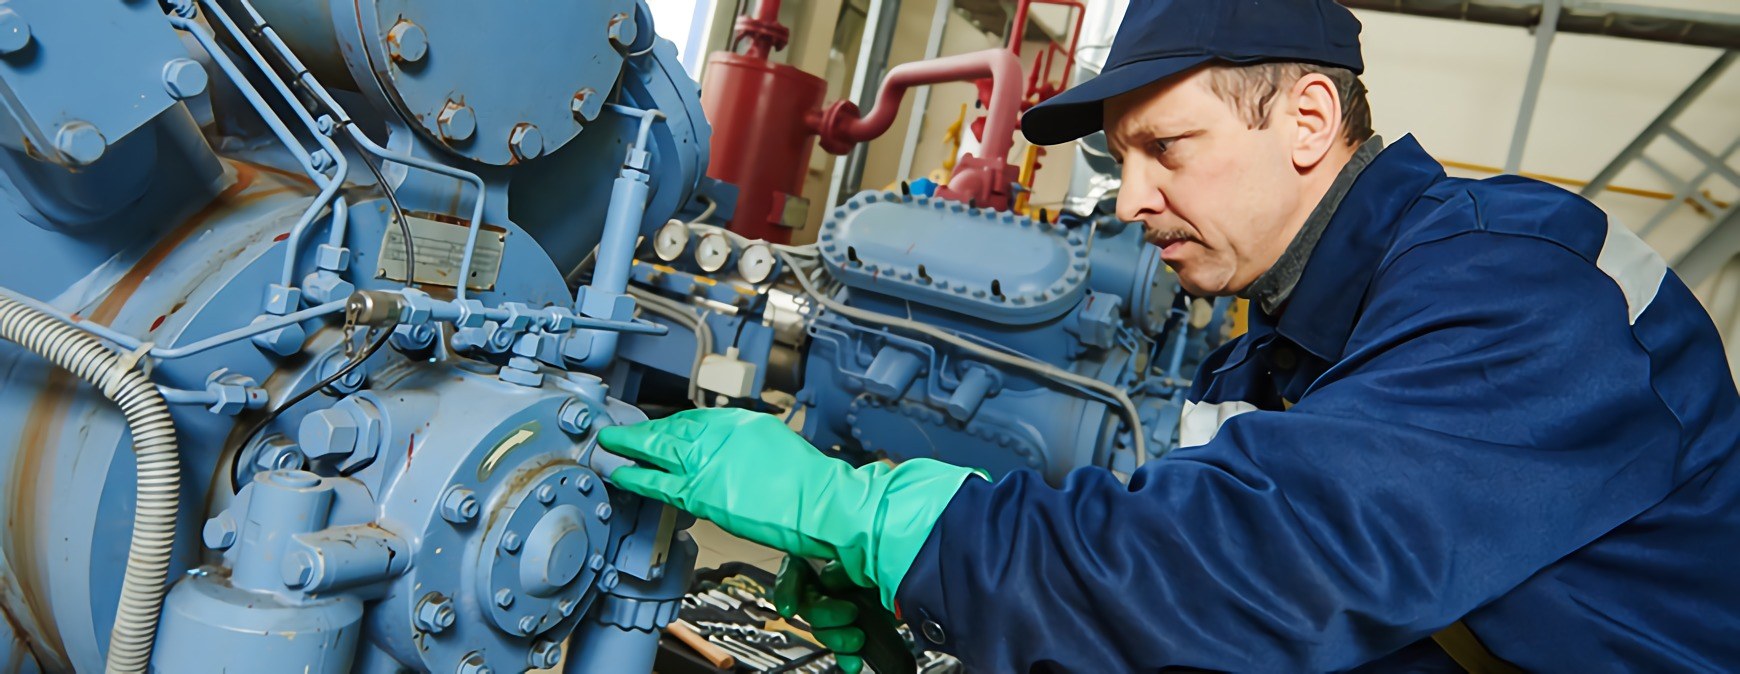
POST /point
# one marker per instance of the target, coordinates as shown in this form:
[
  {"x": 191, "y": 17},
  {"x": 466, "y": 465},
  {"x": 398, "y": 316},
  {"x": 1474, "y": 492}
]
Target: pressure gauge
[
  {"x": 670, "y": 240},
  {"x": 757, "y": 263},
  {"x": 713, "y": 251}
]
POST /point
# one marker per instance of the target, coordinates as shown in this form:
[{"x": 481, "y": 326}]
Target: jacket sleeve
[{"x": 1492, "y": 414}]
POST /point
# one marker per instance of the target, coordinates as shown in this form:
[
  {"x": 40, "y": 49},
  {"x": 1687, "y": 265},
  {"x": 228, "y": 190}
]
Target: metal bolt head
[
  {"x": 526, "y": 141},
  {"x": 603, "y": 512},
  {"x": 575, "y": 417},
  {"x": 622, "y": 31},
  {"x": 406, "y": 42},
  {"x": 545, "y": 654},
  {"x": 457, "y": 121},
  {"x": 504, "y": 597},
  {"x": 596, "y": 562},
  {"x": 14, "y": 31},
  {"x": 328, "y": 432},
  {"x": 220, "y": 532},
  {"x": 473, "y": 663},
  {"x": 298, "y": 569},
  {"x": 528, "y": 624},
  {"x": 545, "y": 493},
  {"x": 435, "y": 613},
  {"x": 586, "y": 104},
  {"x": 609, "y": 579},
  {"x": 184, "y": 78},
  {"x": 584, "y": 484},
  {"x": 80, "y": 143},
  {"x": 510, "y": 542},
  {"x": 459, "y": 505}
]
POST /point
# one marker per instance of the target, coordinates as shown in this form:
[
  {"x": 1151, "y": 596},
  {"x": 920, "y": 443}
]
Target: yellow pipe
[{"x": 1573, "y": 182}]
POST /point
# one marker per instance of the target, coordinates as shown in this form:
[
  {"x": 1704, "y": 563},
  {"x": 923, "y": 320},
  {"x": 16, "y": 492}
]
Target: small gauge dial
[
  {"x": 670, "y": 240},
  {"x": 713, "y": 251},
  {"x": 757, "y": 263}
]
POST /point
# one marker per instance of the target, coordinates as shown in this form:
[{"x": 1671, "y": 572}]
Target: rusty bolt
[
  {"x": 582, "y": 104},
  {"x": 622, "y": 31},
  {"x": 14, "y": 31},
  {"x": 457, "y": 121},
  {"x": 184, "y": 78},
  {"x": 526, "y": 141},
  {"x": 80, "y": 143},
  {"x": 406, "y": 42},
  {"x": 434, "y": 613}
]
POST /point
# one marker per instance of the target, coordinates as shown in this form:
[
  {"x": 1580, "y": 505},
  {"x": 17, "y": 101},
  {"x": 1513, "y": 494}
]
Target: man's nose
[{"x": 1140, "y": 195}]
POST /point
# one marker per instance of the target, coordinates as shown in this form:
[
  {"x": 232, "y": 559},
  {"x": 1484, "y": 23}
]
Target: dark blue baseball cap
[{"x": 1162, "y": 38}]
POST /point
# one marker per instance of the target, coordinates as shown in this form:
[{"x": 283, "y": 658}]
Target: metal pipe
[
  {"x": 1525, "y": 115},
  {"x": 1673, "y": 110},
  {"x": 1001, "y": 66}
]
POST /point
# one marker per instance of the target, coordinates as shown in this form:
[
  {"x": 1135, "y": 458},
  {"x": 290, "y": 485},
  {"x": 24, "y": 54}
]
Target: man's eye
[{"x": 1160, "y": 146}]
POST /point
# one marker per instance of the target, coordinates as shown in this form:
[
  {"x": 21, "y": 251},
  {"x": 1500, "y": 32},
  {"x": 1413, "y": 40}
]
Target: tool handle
[{"x": 714, "y": 654}]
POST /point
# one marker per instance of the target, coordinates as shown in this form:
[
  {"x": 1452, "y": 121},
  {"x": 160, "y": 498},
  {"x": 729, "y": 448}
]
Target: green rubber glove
[
  {"x": 845, "y": 617},
  {"x": 759, "y": 480}
]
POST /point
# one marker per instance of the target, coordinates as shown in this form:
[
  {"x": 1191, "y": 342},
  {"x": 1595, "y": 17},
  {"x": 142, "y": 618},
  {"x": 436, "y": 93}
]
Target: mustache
[{"x": 1160, "y": 235}]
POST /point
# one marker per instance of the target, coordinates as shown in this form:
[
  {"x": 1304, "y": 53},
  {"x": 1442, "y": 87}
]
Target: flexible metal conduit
[{"x": 159, "y": 469}]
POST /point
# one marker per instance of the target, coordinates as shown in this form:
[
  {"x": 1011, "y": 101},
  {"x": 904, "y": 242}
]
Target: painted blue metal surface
[{"x": 439, "y": 508}]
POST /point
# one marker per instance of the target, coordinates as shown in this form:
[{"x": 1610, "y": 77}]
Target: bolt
[
  {"x": 504, "y": 597},
  {"x": 328, "y": 432},
  {"x": 528, "y": 624},
  {"x": 578, "y": 105},
  {"x": 473, "y": 663},
  {"x": 567, "y": 606},
  {"x": 459, "y": 505},
  {"x": 603, "y": 512},
  {"x": 220, "y": 532},
  {"x": 544, "y": 654},
  {"x": 609, "y": 580},
  {"x": 545, "y": 493},
  {"x": 596, "y": 562},
  {"x": 80, "y": 143},
  {"x": 575, "y": 417},
  {"x": 510, "y": 542},
  {"x": 299, "y": 569},
  {"x": 14, "y": 31},
  {"x": 406, "y": 42},
  {"x": 434, "y": 613},
  {"x": 526, "y": 141},
  {"x": 184, "y": 78},
  {"x": 584, "y": 484},
  {"x": 622, "y": 31},
  {"x": 320, "y": 160},
  {"x": 456, "y": 121}
]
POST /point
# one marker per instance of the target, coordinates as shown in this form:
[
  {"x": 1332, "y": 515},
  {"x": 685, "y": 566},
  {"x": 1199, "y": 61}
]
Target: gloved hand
[
  {"x": 755, "y": 478},
  {"x": 843, "y": 616}
]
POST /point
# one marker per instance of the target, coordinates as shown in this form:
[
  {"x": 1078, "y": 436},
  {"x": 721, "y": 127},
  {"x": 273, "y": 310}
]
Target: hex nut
[
  {"x": 184, "y": 78},
  {"x": 435, "y": 613},
  {"x": 459, "y": 505}
]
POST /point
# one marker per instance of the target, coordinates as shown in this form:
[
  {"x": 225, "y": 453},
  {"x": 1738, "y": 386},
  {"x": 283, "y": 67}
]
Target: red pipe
[{"x": 842, "y": 126}]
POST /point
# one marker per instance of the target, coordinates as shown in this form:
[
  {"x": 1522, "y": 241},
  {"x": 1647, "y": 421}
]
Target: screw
[
  {"x": 622, "y": 31},
  {"x": 529, "y": 624},
  {"x": 544, "y": 654},
  {"x": 459, "y": 505},
  {"x": 473, "y": 663},
  {"x": 504, "y": 597},
  {"x": 80, "y": 143},
  {"x": 220, "y": 532},
  {"x": 578, "y": 105},
  {"x": 603, "y": 512},
  {"x": 596, "y": 562},
  {"x": 406, "y": 42},
  {"x": 434, "y": 613},
  {"x": 14, "y": 31},
  {"x": 456, "y": 121},
  {"x": 567, "y": 606},
  {"x": 184, "y": 78},
  {"x": 575, "y": 417},
  {"x": 609, "y": 580},
  {"x": 584, "y": 484},
  {"x": 545, "y": 493},
  {"x": 299, "y": 569},
  {"x": 526, "y": 141},
  {"x": 510, "y": 542},
  {"x": 320, "y": 160}
]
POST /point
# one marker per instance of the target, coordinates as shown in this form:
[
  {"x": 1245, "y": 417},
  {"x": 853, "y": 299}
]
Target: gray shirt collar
[{"x": 1270, "y": 290}]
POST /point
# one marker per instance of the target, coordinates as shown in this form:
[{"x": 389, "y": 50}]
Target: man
[{"x": 1473, "y": 424}]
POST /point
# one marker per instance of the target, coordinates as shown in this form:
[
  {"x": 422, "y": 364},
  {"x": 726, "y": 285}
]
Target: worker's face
[{"x": 1220, "y": 198}]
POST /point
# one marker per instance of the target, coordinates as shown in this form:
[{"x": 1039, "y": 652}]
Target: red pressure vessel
[{"x": 761, "y": 114}]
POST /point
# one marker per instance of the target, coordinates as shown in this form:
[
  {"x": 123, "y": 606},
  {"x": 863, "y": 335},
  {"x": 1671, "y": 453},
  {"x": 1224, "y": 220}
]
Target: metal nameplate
[{"x": 439, "y": 243}]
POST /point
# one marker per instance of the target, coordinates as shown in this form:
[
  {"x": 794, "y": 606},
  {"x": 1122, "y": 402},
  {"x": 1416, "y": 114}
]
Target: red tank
[{"x": 762, "y": 114}]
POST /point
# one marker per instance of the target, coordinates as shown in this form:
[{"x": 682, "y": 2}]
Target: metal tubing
[
  {"x": 999, "y": 65},
  {"x": 1544, "y": 32},
  {"x": 238, "y": 334}
]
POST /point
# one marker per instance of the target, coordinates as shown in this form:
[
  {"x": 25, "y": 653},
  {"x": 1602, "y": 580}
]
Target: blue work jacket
[{"x": 1483, "y": 401}]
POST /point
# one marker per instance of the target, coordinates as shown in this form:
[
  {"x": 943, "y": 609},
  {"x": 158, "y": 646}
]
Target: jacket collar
[{"x": 1320, "y": 313}]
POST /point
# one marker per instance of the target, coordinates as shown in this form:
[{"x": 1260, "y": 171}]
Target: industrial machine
[{"x": 292, "y": 377}]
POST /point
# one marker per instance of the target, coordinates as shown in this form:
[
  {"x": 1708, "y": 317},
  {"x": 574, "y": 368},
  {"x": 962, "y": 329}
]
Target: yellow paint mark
[
  {"x": 501, "y": 450},
  {"x": 663, "y": 269},
  {"x": 702, "y": 280}
]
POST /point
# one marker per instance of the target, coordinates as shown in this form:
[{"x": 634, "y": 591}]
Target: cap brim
[{"x": 1079, "y": 110}]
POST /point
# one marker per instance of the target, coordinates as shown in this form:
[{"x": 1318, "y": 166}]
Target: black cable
[{"x": 356, "y": 361}]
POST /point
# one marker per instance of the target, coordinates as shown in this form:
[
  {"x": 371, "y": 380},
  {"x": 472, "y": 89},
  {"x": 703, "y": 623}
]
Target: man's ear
[{"x": 1317, "y": 113}]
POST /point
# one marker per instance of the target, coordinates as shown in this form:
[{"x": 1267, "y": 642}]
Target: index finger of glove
[
  {"x": 791, "y": 586},
  {"x": 655, "y": 442}
]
